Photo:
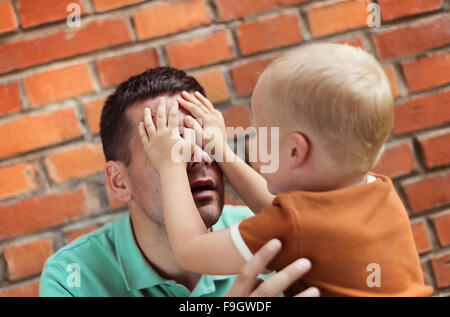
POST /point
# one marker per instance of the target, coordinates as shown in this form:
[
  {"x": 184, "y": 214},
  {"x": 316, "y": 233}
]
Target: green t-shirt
[{"x": 108, "y": 262}]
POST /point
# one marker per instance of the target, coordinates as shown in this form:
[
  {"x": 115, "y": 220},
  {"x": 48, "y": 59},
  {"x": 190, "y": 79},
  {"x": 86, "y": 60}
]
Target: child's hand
[
  {"x": 213, "y": 135},
  {"x": 163, "y": 144}
]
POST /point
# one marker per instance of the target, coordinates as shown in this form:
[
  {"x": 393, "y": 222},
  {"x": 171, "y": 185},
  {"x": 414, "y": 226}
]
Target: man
[{"x": 131, "y": 256}]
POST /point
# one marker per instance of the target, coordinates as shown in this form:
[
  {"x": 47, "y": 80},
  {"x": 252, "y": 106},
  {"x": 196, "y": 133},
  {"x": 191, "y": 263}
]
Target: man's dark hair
[{"x": 115, "y": 127}]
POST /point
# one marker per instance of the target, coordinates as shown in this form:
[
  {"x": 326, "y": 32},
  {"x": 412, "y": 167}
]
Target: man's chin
[{"x": 210, "y": 211}]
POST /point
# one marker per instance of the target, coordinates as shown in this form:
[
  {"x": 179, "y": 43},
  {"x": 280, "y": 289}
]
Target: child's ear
[
  {"x": 299, "y": 148},
  {"x": 115, "y": 180}
]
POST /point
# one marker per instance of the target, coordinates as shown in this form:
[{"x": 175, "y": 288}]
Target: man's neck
[{"x": 153, "y": 243}]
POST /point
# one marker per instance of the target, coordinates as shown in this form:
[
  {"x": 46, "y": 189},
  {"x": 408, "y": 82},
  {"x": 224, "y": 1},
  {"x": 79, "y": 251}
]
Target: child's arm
[
  {"x": 248, "y": 183},
  {"x": 195, "y": 248}
]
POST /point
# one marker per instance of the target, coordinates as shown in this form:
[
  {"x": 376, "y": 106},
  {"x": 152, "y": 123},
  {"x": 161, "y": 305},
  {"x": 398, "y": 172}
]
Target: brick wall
[{"x": 54, "y": 79}]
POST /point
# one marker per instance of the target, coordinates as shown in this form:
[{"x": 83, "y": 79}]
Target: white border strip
[{"x": 239, "y": 242}]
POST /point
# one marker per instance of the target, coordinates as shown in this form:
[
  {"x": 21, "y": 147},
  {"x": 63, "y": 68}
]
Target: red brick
[
  {"x": 201, "y": 51},
  {"x": 17, "y": 179},
  {"x": 35, "y": 131},
  {"x": 390, "y": 74},
  {"x": 237, "y": 116},
  {"x": 246, "y": 76},
  {"x": 168, "y": 18},
  {"x": 94, "y": 111},
  {"x": 75, "y": 163},
  {"x": 8, "y": 20},
  {"x": 27, "y": 290},
  {"x": 413, "y": 39},
  {"x": 394, "y": 9},
  {"x": 28, "y": 258},
  {"x": 90, "y": 37},
  {"x": 268, "y": 33},
  {"x": 442, "y": 224},
  {"x": 422, "y": 112},
  {"x": 105, "y": 5},
  {"x": 337, "y": 17},
  {"x": 75, "y": 234},
  {"x": 441, "y": 268},
  {"x": 429, "y": 192},
  {"x": 354, "y": 41},
  {"x": 118, "y": 69},
  {"x": 36, "y": 12},
  {"x": 428, "y": 72},
  {"x": 214, "y": 84},
  {"x": 37, "y": 213},
  {"x": 396, "y": 161},
  {"x": 423, "y": 244},
  {"x": 10, "y": 97},
  {"x": 58, "y": 84},
  {"x": 436, "y": 149},
  {"x": 236, "y": 9}
]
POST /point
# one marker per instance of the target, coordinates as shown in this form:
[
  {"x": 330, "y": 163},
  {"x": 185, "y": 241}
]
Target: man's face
[{"x": 206, "y": 180}]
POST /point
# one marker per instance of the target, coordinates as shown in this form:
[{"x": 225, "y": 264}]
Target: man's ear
[
  {"x": 299, "y": 148},
  {"x": 115, "y": 179}
]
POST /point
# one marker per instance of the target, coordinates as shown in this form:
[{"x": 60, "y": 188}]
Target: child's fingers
[
  {"x": 173, "y": 116},
  {"x": 194, "y": 109},
  {"x": 205, "y": 101},
  {"x": 149, "y": 125},
  {"x": 193, "y": 124},
  {"x": 161, "y": 118},
  {"x": 189, "y": 138},
  {"x": 144, "y": 137},
  {"x": 191, "y": 98}
]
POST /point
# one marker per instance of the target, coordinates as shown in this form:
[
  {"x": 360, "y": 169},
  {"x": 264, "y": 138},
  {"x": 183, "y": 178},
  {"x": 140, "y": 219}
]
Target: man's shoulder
[{"x": 231, "y": 215}]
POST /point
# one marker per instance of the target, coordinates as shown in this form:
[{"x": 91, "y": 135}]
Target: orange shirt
[{"x": 354, "y": 237}]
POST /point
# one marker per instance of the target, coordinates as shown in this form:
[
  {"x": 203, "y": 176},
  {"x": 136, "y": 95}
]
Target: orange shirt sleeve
[{"x": 272, "y": 222}]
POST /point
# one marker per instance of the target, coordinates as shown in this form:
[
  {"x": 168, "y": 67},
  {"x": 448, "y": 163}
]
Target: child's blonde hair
[{"x": 340, "y": 92}]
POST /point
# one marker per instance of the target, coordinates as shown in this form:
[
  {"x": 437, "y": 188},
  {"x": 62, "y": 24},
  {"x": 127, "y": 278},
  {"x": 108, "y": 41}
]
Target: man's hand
[
  {"x": 163, "y": 144},
  {"x": 247, "y": 284},
  {"x": 212, "y": 130}
]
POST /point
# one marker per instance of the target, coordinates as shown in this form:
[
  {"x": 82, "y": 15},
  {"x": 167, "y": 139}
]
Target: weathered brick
[
  {"x": 36, "y": 12},
  {"x": 168, "y": 18},
  {"x": 421, "y": 239},
  {"x": 442, "y": 225},
  {"x": 27, "y": 259},
  {"x": 201, "y": 51},
  {"x": 413, "y": 39},
  {"x": 436, "y": 149},
  {"x": 353, "y": 41},
  {"x": 35, "y": 131},
  {"x": 390, "y": 74},
  {"x": 441, "y": 270},
  {"x": 27, "y": 290},
  {"x": 10, "y": 98},
  {"x": 422, "y": 112},
  {"x": 428, "y": 72},
  {"x": 17, "y": 179},
  {"x": 429, "y": 192},
  {"x": 79, "y": 162},
  {"x": 246, "y": 76},
  {"x": 115, "y": 70},
  {"x": 236, "y": 9},
  {"x": 58, "y": 84},
  {"x": 336, "y": 17},
  {"x": 394, "y": 9},
  {"x": 8, "y": 20},
  {"x": 90, "y": 37},
  {"x": 94, "y": 111},
  {"x": 269, "y": 33},
  {"x": 37, "y": 213},
  {"x": 237, "y": 117},
  {"x": 105, "y": 5},
  {"x": 214, "y": 84},
  {"x": 396, "y": 161}
]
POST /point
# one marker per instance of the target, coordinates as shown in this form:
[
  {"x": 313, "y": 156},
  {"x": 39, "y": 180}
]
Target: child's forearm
[
  {"x": 249, "y": 184},
  {"x": 183, "y": 222}
]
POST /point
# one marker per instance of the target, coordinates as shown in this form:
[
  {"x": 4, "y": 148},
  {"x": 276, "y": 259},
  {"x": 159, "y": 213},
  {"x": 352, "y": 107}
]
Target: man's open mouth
[{"x": 202, "y": 189}]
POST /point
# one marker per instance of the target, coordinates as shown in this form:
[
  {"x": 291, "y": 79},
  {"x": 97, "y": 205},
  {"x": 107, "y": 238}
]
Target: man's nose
[{"x": 199, "y": 159}]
